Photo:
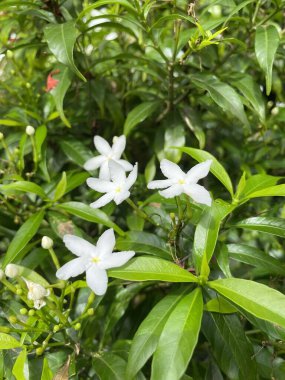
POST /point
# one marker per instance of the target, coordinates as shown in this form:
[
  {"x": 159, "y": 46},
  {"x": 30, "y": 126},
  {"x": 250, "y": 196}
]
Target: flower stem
[
  {"x": 54, "y": 258},
  {"x": 140, "y": 212}
]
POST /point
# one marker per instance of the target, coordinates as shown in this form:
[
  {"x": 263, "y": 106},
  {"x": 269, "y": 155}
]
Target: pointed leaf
[
  {"x": 60, "y": 188},
  {"x": 139, "y": 114},
  {"x": 7, "y": 342},
  {"x": 274, "y": 226},
  {"x": 25, "y": 186},
  {"x": 18, "y": 368},
  {"x": 109, "y": 366}
]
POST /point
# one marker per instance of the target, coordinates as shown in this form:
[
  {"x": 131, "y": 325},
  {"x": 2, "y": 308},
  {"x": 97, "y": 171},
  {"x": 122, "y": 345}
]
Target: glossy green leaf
[
  {"x": 18, "y": 368},
  {"x": 60, "y": 188},
  {"x": 258, "y": 183},
  {"x": 146, "y": 268},
  {"x": 150, "y": 170},
  {"x": 24, "y": 186},
  {"x": 61, "y": 39},
  {"x": 274, "y": 191},
  {"x": 40, "y": 136},
  {"x": 124, "y": 3},
  {"x": 76, "y": 151},
  {"x": 174, "y": 136},
  {"x": 274, "y": 226},
  {"x": 90, "y": 214},
  {"x": 75, "y": 180},
  {"x": 11, "y": 123},
  {"x": 253, "y": 256},
  {"x": 216, "y": 168},
  {"x": 46, "y": 371},
  {"x": 222, "y": 94},
  {"x": 266, "y": 44},
  {"x": 207, "y": 230},
  {"x": 143, "y": 242},
  {"x": 8, "y": 342},
  {"x": 179, "y": 338},
  {"x": 220, "y": 305},
  {"x": 146, "y": 338},
  {"x": 58, "y": 93},
  {"x": 139, "y": 114},
  {"x": 23, "y": 236},
  {"x": 109, "y": 366},
  {"x": 258, "y": 299}
]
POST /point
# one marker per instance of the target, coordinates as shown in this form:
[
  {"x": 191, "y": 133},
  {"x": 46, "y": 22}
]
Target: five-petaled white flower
[
  {"x": 36, "y": 293},
  {"x": 93, "y": 259},
  {"x": 179, "y": 182},
  {"x": 108, "y": 153},
  {"x": 117, "y": 189}
]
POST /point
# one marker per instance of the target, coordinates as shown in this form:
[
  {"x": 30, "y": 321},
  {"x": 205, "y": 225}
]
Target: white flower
[
  {"x": 178, "y": 182},
  {"x": 36, "y": 293},
  {"x": 47, "y": 242},
  {"x": 116, "y": 190},
  {"x": 93, "y": 259},
  {"x": 106, "y": 154}
]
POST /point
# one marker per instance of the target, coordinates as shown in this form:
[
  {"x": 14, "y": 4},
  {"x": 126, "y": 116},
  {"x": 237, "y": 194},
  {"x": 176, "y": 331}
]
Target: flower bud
[
  {"x": 23, "y": 311},
  {"x": 56, "y": 328},
  {"x": 77, "y": 326},
  {"x": 31, "y": 312},
  {"x": 11, "y": 271},
  {"x": 28, "y": 85},
  {"x": 2, "y": 274},
  {"x": 30, "y": 131},
  {"x": 39, "y": 351},
  {"x": 9, "y": 54},
  {"x": 90, "y": 311},
  {"x": 47, "y": 242},
  {"x": 19, "y": 292},
  {"x": 1, "y": 136}
]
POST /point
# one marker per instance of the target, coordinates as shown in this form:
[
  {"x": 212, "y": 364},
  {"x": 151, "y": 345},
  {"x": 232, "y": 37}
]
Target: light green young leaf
[
  {"x": 8, "y": 342},
  {"x": 90, "y": 214},
  {"x": 146, "y": 268},
  {"x": 61, "y": 39},
  {"x": 258, "y": 299},
  {"x": 60, "y": 188},
  {"x": 150, "y": 170},
  {"x": 257, "y": 183},
  {"x": 216, "y": 168},
  {"x": 58, "y": 93},
  {"x": 179, "y": 338},
  {"x": 40, "y": 136},
  {"x": 139, "y": 114},
  {"x": 23, "y": 236},
  {"x": 147, "y": 336},
  {"x": 273, "y": 191},
  {"x": 18, "y": 368},
  {"x": 274, "y": 226},
  {"x": 220, "y": 305},
  {"x": 266, "y": 44},
  {"x": 46, "y": 372}
]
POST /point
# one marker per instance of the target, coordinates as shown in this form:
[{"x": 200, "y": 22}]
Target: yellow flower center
[
  {"x": 181, "y": 182},
  {"x": 96, "y": 260},
  {"x": 118, "y": 190}
]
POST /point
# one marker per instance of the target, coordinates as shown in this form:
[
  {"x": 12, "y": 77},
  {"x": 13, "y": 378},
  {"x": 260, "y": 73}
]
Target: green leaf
[
  {"x": 266, "y": 44},
  {"x": 100, "y": 3},
  {"x": 216, "y": 168},
  {"x": 220, "y": 305},
  {"x": 147, "y": 336},
  {"x": 46, "y": 372},
  {"x": 18, "y": 368},
  {"x": 230, "y": 345},
  {"x": 58, "y": 93},
  {"x": 7, "y": 342},
  {"x": 207, "y": 231},
  {"x": 11, "y": 123},
  {"x": 257, "y": 183},
  {"x": 139, "y": 114},
  {"x": 60, "y": 188},
  {"x": 274, "y": 226},
  {"x": 61, "y": 39},
  {"x": 40, "y": 136},
  {"x": 75, "y": 180},
  {"x": 143, "y": 242},
  {"x": 179, "y": 338},
  {"x": 150, "y": 170},
  {"x": 274, "y": 191},
  {"x": 253, "y": 256},
  {"x": 25, "y": 186},
  {"x": 31, "y": 275},
  {"x": 174, "y": 136},
  {"x": 222, "y": 94},
  {"x": 258, "y": 299},
  {"x": 25, "y": 233},
  {"x": 90, "y": 214},
  {"x": 109, "y": 366},
  {"x": 146, "y": 268},
  {"x": 76, "y": 151},
  {"x": 250, "y": 90}
]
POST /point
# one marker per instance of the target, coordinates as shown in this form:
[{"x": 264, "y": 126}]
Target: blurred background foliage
[{"x": 202, "y": 74}]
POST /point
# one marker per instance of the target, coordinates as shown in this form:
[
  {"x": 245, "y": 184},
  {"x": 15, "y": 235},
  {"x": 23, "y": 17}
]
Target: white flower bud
[
  {"x": 2, "y": 274},
  {"x": 1, "y": 136},
  {"x": 30, "y": 131},
  {"x": 36, "y": 291},
  {"x": 11, "y": 271},
  {"x": 47, "y": 242}
]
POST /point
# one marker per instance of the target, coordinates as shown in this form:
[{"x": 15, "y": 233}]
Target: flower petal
[
  {"x": 102, "y": 201},
  {"x": 106, "y": 242},
  {"x": 199, "y": 194},
  {"x": 118, "y": 146},
  {"x": 79, "y": 246},
  {"x": 125, "y": 164},
  {"x": 100, "y": 185},
  {"x": 160, "y": 184},
  {"x": 117, "y": 172},
  {"x": 132, "y": 177},
  {"x": 198, "y": 171},
  {"x": 97, "y": 280},
  {"x": 72, "y": 269},
  {"x": 105, "y": 171},
  {"x": 102, "y": 146},
  {"x": 172, "y": 191},
  {"x": 94, "y": 163},
  {"x": 171, "y": 170},
  {"x": 121, "y": 196},
  {"x": 116, "y": 259}
]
